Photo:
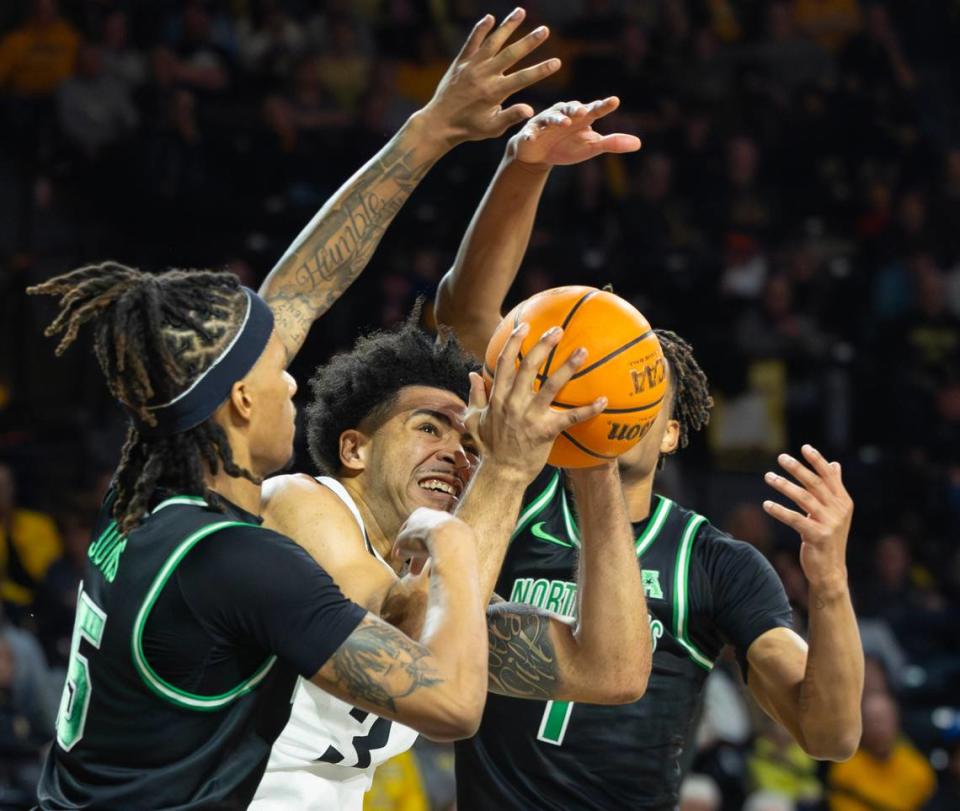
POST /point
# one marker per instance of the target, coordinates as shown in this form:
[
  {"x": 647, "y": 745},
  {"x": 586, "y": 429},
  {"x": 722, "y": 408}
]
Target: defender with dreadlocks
[
  {"x": 193, "y": 620},
  {"x": 704, "y": 590}
]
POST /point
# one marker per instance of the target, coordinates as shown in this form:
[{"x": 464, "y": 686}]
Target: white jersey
[{"x": 326, "y": 755}]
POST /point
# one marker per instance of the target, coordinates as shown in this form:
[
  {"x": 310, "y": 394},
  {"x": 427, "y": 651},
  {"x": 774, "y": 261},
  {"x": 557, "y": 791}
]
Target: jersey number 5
[{"x": 89, "y": 625}]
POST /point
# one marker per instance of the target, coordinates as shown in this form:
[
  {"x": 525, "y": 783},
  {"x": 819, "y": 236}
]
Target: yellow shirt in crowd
[
  {"x": 36, "y": 544},
  {"x": 903, "y": 782},
  {"x": 34, "y": 60}
]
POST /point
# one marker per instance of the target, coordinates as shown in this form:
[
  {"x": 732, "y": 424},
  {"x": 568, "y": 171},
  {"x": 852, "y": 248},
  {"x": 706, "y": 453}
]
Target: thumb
[
  {"x": 619, "y": 143},
  {"x": 478, "y": 395},
  {"x": 512, "y": 115}
]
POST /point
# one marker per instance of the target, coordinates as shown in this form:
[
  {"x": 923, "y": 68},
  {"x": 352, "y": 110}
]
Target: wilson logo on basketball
[
  {"x": 650, "y": 377},
  {"x": 625, "y": 433}
]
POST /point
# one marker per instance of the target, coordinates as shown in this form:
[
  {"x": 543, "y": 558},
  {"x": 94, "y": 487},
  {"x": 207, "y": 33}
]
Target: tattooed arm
[
  {"x": 435, "y": 684},
  {"x": 602, "y": 657},
  {"x": 338, "y": 242}
]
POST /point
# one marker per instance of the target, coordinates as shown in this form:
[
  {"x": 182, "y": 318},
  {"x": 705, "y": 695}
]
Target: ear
[
  {"x": 354, "y": 450},
  {"x": 240, "y": 400},
  {"x": 671, "y": 438}
]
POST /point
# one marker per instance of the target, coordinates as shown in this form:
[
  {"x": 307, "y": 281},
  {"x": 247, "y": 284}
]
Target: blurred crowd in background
[{"x": 794, "y": 213}]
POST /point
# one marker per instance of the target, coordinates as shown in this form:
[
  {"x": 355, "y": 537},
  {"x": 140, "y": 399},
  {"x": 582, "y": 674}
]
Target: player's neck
[
  {"x": 237, "y": 490},
  {"x": 637, "y": 493},
  {"x": 379, "y": 535}
]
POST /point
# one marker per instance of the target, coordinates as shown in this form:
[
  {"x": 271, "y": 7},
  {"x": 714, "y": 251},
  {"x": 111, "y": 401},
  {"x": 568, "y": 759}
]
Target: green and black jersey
[
  {"x": 704, "y": 590},
  {"x": 189, "y": 635}
]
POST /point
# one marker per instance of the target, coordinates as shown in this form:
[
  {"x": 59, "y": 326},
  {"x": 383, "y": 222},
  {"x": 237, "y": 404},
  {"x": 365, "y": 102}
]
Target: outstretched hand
[
  {"x": 467, "y": 103},
  {"x": 823, "y": 523},
  {"x": 563, "y": 134}
]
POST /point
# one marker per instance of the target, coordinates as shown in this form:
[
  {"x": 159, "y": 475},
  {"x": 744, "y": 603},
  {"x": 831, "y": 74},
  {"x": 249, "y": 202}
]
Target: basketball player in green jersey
[{"x": 704, "y": 590}]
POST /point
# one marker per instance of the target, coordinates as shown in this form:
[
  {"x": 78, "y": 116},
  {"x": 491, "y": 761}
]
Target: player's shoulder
[
  {"x": 708, "y": 540},
  {"x": 300, "y": 498},
  {"x": 313, "y": 515}
]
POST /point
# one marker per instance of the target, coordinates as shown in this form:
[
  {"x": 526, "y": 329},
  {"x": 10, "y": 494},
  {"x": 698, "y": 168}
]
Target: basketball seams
[
  {"x": 633, "y": 410},
  {"x": 564, "y": 325},
  {"x": 584, "y": 449},
  {"x": 613, "y": 354}
]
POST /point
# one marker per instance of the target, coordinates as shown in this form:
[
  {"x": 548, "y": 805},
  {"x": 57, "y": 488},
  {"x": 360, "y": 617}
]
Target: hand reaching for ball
[
  {"x": 515, "y": 424},
  {"x": 563, "y": 134}
]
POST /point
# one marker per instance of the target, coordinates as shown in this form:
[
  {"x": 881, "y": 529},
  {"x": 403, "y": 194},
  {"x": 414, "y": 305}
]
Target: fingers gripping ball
[{"x": 625, "y": 364}]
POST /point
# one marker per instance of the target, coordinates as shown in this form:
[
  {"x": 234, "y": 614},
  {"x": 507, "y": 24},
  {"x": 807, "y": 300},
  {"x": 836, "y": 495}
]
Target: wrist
[
  {"x": 829, "y": 587},
  {"x": 430, "y": 132},
  {"x": 514, "y": 163},
  {"x": 503, "y": 473}
]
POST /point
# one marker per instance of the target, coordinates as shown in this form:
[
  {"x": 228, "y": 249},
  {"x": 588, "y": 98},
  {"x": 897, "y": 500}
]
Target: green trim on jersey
[
  {"x": 657, "y": 520},
  {"x": 680, "y": 609},
  {"x": 162, "y": 688},
  {"x": 537, "y": 505},
  {"x": 195, "y": 500},
  {"x": 572, "y": 531}
]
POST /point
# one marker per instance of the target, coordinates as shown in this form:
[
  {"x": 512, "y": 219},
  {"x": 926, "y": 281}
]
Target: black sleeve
[
  {"x": 258, "y": 587},
  {"x": 747, "y": 595}
]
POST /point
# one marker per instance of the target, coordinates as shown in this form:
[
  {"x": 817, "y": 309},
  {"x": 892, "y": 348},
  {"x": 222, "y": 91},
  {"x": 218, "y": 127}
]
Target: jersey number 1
[
  {"x": 553, "y": 725},
  {"x": 89, "y": 625}
]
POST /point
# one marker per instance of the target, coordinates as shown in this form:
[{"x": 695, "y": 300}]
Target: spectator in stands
[
  {"x": 830, "y": 22},
  {"x": 95, "y": 111},
  {"x": 699, "y": 793},
  {"x": 37, "y": 56},
  {"x": 26, "y": 715},
  {"x": 120, "y": 61},
  {"x": 29, "y": 544},
  {"x": 887, "y": 771},
  {"x": 778, "y": 765}
]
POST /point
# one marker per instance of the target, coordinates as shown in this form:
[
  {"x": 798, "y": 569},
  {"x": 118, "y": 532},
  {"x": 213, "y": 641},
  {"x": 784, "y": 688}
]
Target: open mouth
[{"x": 445, "y": 485}]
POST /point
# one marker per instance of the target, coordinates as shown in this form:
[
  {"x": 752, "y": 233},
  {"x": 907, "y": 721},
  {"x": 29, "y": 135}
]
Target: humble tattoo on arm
[
  {"x": 522, "y": 661},
  {"x": 337, "y": 244},
  {"x": 380, "y": 665}
]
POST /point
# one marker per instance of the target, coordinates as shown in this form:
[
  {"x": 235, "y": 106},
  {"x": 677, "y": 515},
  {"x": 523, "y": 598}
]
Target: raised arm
[
  {"x": 338, "y": 242},
  {"x": 814, "y": 688},
  {"x": 605, "y": 657},
  {"x": 471, "y": 293},
  {"x": 437, "y": 683}
]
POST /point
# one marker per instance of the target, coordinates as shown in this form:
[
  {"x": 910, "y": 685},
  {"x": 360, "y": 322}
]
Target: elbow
[
  {"x": 837, "y": 746},
  {"x": 455, "y": 721},
  {"x": 455, "y": 714},
  {"x": 629, "y": 688}
]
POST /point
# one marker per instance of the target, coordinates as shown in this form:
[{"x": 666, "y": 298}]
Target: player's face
[
  {"x": 641, "y": 460},
  {"x": 272, "y": 423},
  {"x": 422, "y": 455}
]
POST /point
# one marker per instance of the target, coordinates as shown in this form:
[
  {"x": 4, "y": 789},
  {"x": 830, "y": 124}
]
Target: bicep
[{"x": 778, "y": 663}]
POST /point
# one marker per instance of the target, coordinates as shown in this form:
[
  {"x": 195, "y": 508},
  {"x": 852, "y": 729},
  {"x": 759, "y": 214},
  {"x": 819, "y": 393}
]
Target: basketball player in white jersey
[{"x": 387, "y": 420}]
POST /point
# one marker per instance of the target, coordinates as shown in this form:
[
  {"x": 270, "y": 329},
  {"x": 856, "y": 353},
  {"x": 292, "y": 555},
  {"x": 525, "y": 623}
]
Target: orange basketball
[{"x": 625, "y": 364}]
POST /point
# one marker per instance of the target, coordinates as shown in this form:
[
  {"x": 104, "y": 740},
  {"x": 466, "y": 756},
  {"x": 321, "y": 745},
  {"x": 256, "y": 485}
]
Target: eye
[{"x": 429, "y": 428}]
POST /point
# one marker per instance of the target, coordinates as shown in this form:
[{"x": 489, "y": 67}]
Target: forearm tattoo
[
  {"x": 378, "y": 664},
  {"x": 336, "y": 248},
  {"x": 522, "y": 660}
]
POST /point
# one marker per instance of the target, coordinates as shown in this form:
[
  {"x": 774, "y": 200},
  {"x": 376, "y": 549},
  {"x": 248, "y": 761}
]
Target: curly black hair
[
  {"x": 688, "y": 383},
  {"x": 360, "y": 386},
  {"x": 154, "y": 334}
]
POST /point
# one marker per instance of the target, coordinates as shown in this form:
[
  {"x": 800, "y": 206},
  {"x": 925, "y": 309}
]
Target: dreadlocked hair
[
  {"x": 359, "y": 387},
  {"x": 153, "y": 336},
  {"x": 691, "y": 391}
]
